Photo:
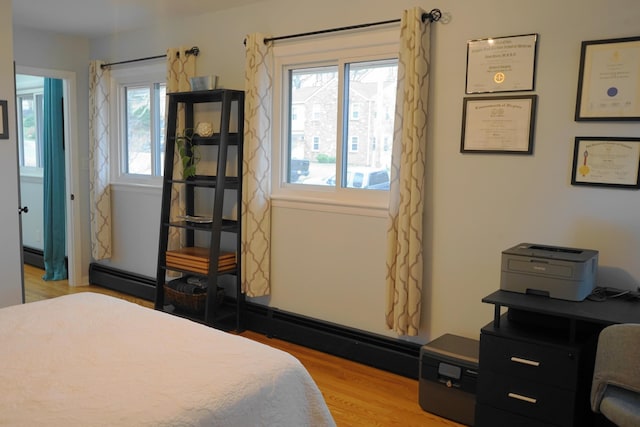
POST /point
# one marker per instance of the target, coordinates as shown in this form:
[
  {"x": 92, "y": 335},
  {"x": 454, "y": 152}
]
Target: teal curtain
[{"x": 54, "y": 183}]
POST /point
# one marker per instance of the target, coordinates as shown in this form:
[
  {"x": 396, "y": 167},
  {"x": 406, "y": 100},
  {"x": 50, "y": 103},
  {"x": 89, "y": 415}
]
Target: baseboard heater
[
  {"x": 32, "y": 256},
  {"x": 35, "y": 257},
  {"x": 388, "y": 354},
  {"x": 122, "y": 281}
]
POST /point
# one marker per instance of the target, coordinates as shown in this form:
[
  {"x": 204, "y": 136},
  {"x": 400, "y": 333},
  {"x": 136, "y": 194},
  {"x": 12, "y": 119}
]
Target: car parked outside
[
  {"x": 298, "y": 168},
  {"x": 366, "y": 178}
]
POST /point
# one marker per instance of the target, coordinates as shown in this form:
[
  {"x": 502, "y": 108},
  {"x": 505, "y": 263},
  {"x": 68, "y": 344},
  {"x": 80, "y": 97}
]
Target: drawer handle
[
  {"x": 523, "y": 398},
  {"x": 524, "y": 361}
]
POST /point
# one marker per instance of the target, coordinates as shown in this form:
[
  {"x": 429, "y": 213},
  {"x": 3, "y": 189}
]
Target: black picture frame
[
  {"x": 608, "y": 81},
  {"x": 501, "y": 64},
  {"x": 497, "y": 127},
  {"x": 606, "y": 162},
  {"x": 4, "y": 116}
]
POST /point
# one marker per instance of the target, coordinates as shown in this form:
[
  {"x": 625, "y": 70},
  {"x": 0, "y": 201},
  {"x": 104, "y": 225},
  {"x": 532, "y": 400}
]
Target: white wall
[
  {"x": 32, "y": 223},
  {"x": 10, "y": 250},
  {"x": 330, "y": 265}
]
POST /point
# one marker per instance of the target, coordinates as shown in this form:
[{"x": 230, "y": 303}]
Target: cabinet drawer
[
  {"x": 527, "y": 398},
  {"x": 488, "y": 416},
  {"x": 551, "y": 365}
]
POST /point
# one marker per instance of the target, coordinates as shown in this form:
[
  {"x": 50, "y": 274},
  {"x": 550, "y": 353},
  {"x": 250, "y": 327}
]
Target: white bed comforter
[{"x": 92, "y": 360}]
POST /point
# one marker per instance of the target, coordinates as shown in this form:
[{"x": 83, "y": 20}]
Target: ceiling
[{"x": 95, "y": 18}]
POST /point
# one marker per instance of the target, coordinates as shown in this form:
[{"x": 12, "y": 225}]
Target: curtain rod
[
  {"x": 193, "y": 51},
  {"x": 432, "y": 16}
]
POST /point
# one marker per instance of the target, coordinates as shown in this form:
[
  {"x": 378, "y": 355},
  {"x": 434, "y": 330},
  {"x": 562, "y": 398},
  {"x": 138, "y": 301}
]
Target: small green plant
[
  {"x": 188, "y": 153},
  {"x": 325, "y": 158}
]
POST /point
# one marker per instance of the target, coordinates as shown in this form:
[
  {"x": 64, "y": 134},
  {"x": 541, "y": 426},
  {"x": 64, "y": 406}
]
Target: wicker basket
[{"x": 192, "y": 303}]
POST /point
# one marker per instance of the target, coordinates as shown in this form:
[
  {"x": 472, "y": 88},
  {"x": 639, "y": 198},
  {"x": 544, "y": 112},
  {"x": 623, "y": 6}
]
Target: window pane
[
  {"x": 160, "y": 137},
  {"x": 138, "y": 130},
  {"x": 313, "y": 107},
  {"x": 29, "y": 132},
  {"x": 370, "y": 99}
]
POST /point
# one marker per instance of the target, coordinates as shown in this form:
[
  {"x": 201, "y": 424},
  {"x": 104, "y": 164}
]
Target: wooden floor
[{"x": 357, "y": 395}]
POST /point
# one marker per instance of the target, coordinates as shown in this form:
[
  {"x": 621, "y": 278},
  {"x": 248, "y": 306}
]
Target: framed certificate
[
  {"x": 609, "y": 80},
  {"x": 498, "y": 124},
  {"x": 608, "y": 162},
  {"x": 502, "y": 64}
]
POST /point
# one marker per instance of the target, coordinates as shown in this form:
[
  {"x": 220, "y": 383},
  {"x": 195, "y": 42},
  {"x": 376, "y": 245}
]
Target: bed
[{"x": 94, "y": 360}]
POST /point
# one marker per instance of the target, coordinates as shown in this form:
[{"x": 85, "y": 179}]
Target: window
[
  {"x": 355, "y": 111},
  {"x": 138, "y": 132},
  {"x": 346, "y": 84},
  {"x": 297, "y": 117},
  {"x": 317, "y": 108},
  {"x": 354, "y": 144},
  {"x": 322, "y": 87},
  {"x": 30, "y": 108},
  {"x": 144, "y": 128}
]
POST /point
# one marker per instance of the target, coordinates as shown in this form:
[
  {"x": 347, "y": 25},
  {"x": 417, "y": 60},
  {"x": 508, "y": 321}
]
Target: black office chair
[{"x": 615, "y": 391}]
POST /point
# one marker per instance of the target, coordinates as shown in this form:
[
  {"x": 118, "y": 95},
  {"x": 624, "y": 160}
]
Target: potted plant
[{"x": 188, "y": 153}]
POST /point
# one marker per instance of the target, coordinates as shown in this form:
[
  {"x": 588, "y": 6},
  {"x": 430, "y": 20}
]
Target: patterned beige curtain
[
  {"x": 99, "y": 188},
  {"x": 256, "y": 179},
  {"x": 180, "y": 67},
  {"x": 406, "y": 204}
]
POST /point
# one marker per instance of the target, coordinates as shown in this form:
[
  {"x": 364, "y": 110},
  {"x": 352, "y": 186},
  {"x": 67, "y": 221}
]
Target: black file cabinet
[
  {"x": 536, "y": 361},
  {"x": 529, "y": 378}
]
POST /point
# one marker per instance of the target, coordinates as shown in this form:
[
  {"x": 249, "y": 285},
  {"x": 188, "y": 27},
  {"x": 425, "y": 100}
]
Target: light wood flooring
[{"x": 357, "y": 395}]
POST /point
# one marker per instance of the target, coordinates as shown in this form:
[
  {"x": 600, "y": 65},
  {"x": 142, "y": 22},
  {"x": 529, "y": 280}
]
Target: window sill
[{"x": 31, "y": 174}]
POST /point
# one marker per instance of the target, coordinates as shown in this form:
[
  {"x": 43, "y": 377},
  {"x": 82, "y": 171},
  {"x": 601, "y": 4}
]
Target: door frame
[{"x": 72, "y": 184}]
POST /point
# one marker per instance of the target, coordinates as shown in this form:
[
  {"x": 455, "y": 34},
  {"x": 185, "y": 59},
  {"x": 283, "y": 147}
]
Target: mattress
[{"x": 93, "y": 360}]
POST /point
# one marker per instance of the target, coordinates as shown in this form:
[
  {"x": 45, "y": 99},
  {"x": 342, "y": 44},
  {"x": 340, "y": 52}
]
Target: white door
[
  {"x": 10, "y": 246},
  {"x": 11, "y": 288}
]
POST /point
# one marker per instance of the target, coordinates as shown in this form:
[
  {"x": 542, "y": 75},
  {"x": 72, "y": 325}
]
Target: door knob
[{"x": 24, "y": 209}]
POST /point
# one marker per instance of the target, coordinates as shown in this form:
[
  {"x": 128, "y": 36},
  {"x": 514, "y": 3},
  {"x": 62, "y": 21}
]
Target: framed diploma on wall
[
  {"x": 499, "y": 124},
  {"x": 609, "y": 80},
  {"x": 501, "y": 64},
  {"x": 606, "y": 162}
]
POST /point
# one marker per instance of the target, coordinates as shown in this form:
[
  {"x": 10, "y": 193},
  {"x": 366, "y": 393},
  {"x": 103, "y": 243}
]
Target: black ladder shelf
[{"x": 212, "y": 191}]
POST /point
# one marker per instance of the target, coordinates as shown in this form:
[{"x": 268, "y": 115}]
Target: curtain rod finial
[{"x": 433, "y": 16}]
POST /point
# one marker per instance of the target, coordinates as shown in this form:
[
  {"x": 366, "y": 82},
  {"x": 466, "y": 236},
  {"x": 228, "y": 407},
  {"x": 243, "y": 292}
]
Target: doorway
[{"x": 31, "y": 177}]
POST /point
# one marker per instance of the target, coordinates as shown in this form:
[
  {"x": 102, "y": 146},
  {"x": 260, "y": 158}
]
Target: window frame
[
  {"x": 138, "y": 75},
  {"x": 339, "y": 49}
]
